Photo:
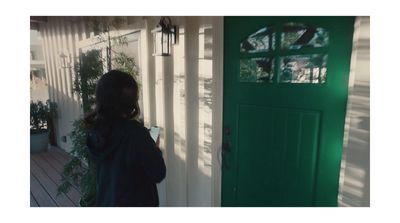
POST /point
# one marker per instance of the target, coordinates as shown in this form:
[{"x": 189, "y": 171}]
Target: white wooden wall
[
  {"x": 355, "y": 171},
  {"x": 60, "y": 36},
  {"x": 182, "y": 94}
]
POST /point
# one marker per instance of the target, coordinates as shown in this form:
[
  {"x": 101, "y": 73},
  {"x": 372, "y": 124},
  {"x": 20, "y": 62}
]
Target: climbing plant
[{"x": 80, "y": 170}]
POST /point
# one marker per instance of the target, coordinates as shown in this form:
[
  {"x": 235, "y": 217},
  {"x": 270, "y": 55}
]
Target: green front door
[{"x": 285, "y": 93}]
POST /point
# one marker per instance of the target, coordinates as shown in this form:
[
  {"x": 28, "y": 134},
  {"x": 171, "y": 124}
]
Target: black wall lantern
[{"x": 164, "y": 35}]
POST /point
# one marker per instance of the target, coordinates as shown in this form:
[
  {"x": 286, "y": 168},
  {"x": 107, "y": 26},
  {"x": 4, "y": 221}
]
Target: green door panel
[
  {"x": 285, "y": 94},
  {"x": 285, "y": 164}
]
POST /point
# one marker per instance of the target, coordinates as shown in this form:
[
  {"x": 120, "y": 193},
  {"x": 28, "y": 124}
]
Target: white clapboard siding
[
  {"x": 59, "y": 37},
  {"x": 355, "y": 172}
]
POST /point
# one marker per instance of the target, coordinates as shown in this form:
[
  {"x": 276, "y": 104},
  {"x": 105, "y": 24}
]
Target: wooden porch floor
[{"x": 45, "y": 174}]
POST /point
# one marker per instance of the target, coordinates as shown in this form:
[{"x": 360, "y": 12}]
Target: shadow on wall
[
  {"x": 355, "y": 188},
  {"x": 181, "y": 192},
  {"x": 355, "y": 179},
  {"x": 185, "y": 82},
  {"x": 68, "y": 110}
]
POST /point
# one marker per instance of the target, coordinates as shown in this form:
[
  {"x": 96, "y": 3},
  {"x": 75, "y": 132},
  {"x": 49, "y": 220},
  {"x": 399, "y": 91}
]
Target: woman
[{"x": 129, "y": 163}]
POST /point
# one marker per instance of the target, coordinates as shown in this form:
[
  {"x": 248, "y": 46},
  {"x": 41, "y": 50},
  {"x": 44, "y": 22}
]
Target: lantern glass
[
  {"x": 165, "y": 44},
  {"x": 158, "y": 45},
  {"x": 173, "y": 35}
]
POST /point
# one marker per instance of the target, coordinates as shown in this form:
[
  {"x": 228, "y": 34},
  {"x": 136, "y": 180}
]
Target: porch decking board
[
  {"x": 55, "y": 175},
  {"x": 58, "y": 166},
  {"x": 50, "y": 186},
  {"x": 40, "y": 194},
  {"x": 55, "y": 163},
  {"x": 60, "y": 156},
  {"x": 55, "y": 157},
  {"x": 33, "y": 201},
  {"x": 46, "y": 172}
]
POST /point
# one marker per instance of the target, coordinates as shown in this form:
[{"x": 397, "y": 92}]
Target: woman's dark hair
[{"x": 117, "y": 96}]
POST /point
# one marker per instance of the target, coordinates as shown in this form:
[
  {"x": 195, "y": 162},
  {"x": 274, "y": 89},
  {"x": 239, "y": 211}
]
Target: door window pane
[
  {"x": 297, "y": 36},
  {"x": 303, "y": 69},
  {"x": 261, "y": 41},
  {"x": 256, "y": 70}
]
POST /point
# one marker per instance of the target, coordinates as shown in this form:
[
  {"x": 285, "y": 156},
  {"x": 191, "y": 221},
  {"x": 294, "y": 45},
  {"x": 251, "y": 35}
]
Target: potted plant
[{"x": 41, "y": 114}]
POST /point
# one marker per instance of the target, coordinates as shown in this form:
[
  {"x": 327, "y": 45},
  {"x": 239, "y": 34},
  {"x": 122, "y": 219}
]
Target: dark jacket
[{"x": 128, "y": 166}]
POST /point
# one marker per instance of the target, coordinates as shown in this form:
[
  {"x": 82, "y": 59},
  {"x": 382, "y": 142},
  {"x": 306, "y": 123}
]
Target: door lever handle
[{"x": 226, "y": 147}]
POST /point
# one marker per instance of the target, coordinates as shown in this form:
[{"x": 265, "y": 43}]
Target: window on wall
[
  {"x": 129, "y": 46},
  {"x": 261, "y": 41},
  {"x": 303, "y": 69},
  {"x": 291, "y": 53},
  {"x": 256, "y": 69}
]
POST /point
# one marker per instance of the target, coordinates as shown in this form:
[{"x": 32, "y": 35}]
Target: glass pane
[
  {"x": 256, "y": 70},
  {"x": 261, "y": 41},
  {"x": 304, "y": 69},
  {"x": 297, "y": 36}
]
